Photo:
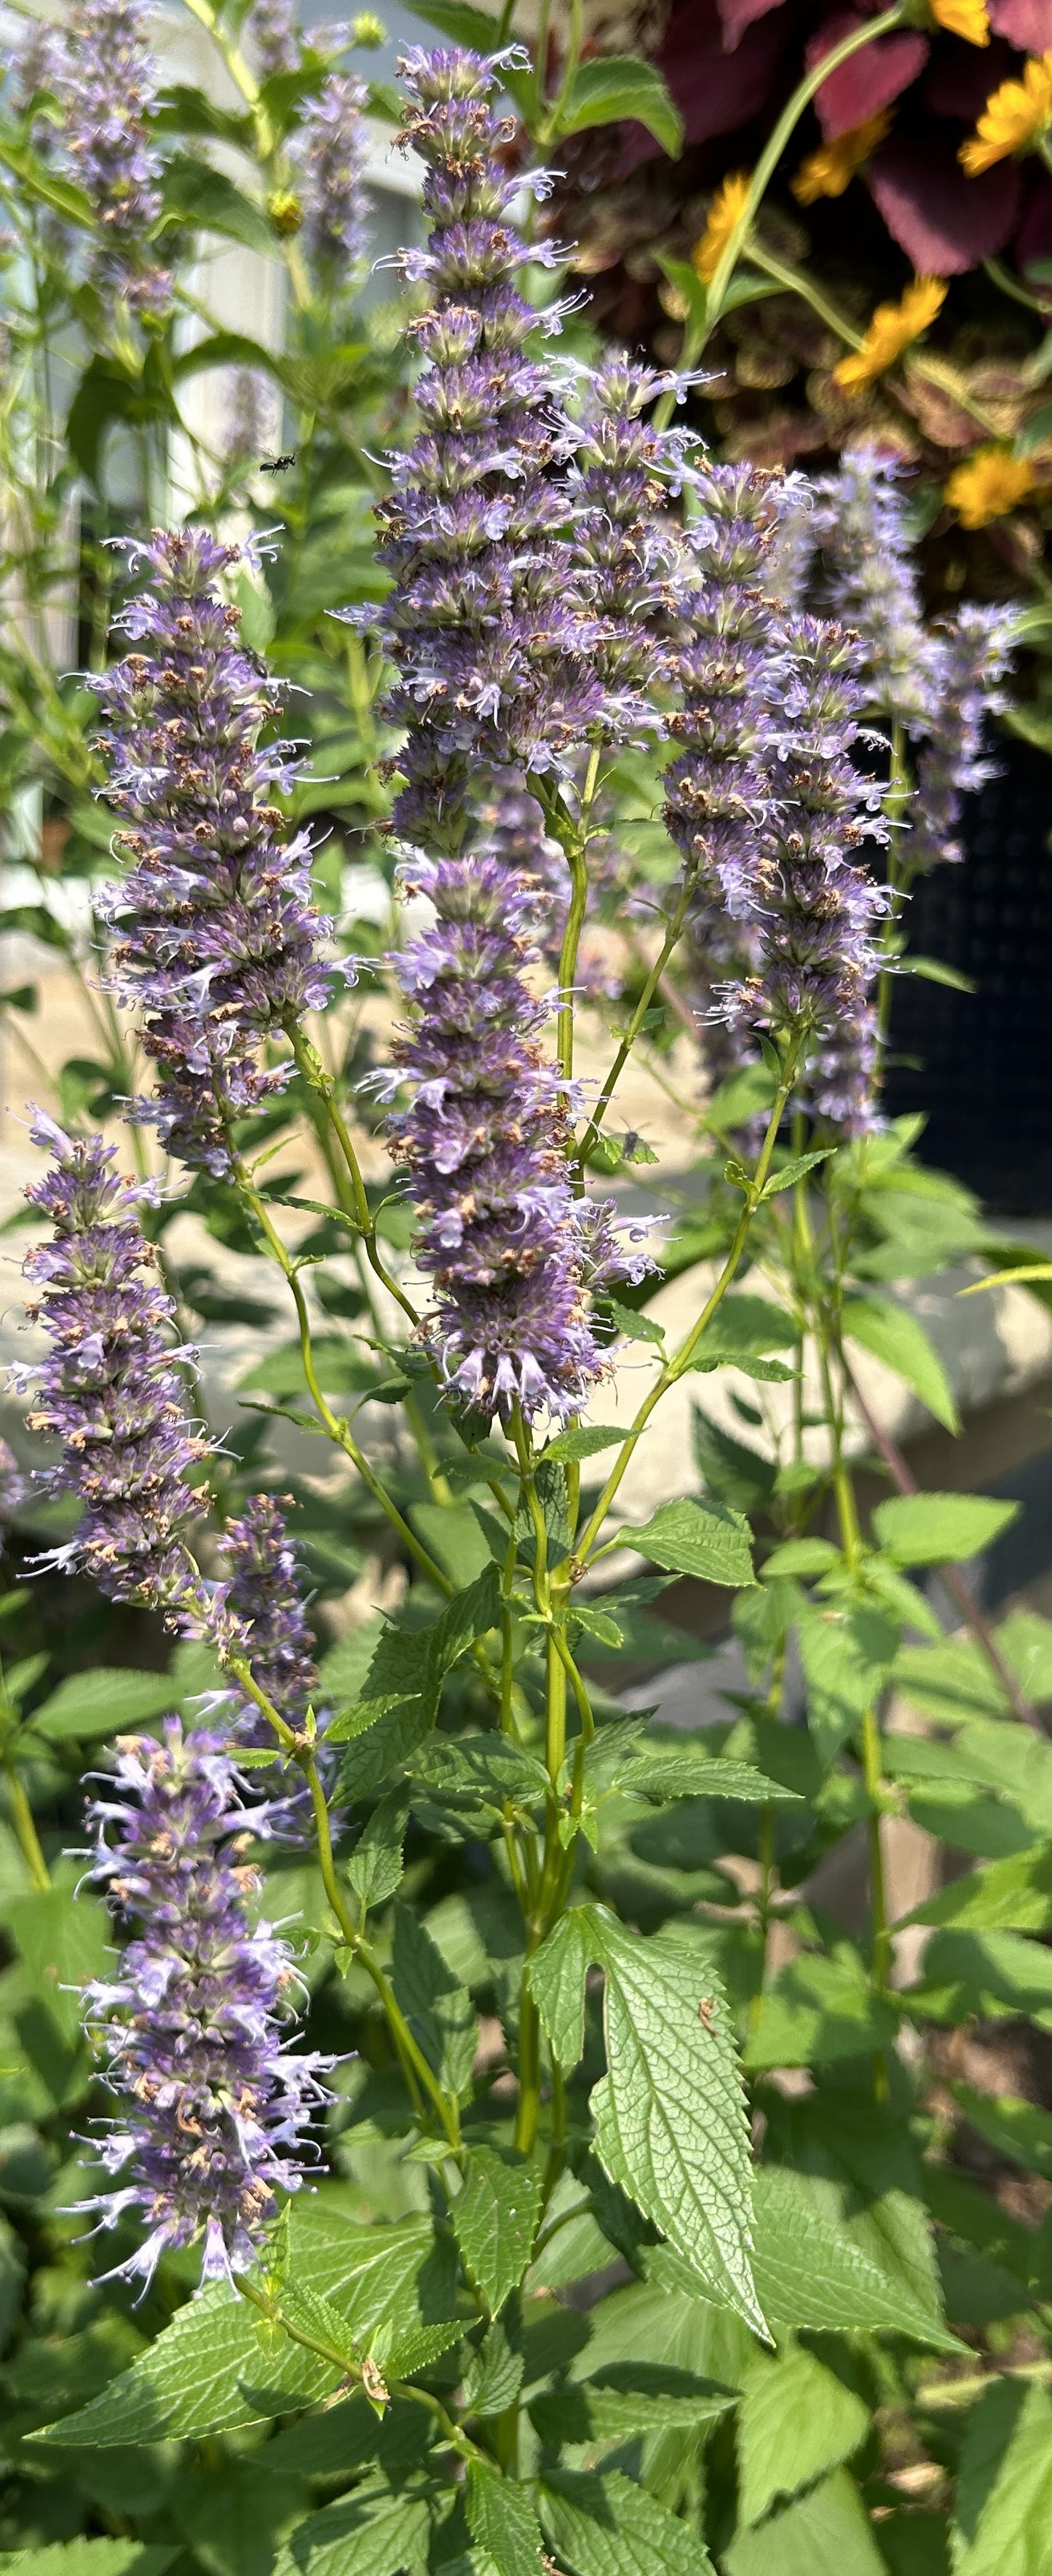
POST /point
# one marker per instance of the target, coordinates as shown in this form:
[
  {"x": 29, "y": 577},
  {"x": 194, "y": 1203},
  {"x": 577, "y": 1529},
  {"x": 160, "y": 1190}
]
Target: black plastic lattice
[{"x": 980, "y": 1066}]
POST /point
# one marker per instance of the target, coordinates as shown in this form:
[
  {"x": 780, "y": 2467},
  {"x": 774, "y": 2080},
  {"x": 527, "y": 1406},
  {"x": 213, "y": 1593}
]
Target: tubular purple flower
[
  {"x": 219, "y": 939},
  {"x": 265, "y": 1597},
  {"x": 113, "y": 1391},
  {"x": 495, "y": 662},
  {"x": 215, "y": 2105},
  {"x": 971, "y": 658},
  {"x": 718, "y": 787},
  {"x": 273, "y": 26},
  {"x": 820, "y": 908},
  {"x": 623, "y": 551},
  {"x": 103, "y": 78},
  {"x": 859, "y": 521},
  {"x": 330, "y": 159},
  {"x": 507, "y": 1244},
  {"x": 265, "y": 1593}
]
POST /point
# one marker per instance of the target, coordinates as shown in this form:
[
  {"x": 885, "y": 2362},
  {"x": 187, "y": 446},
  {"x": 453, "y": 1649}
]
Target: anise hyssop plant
[{"x": 578, "y": 2022}]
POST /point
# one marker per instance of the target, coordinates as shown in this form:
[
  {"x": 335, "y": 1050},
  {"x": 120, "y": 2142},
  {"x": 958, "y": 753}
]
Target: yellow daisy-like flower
[
  {"x": 827, "y": 172},
  {"x": 892, "y": 329},
  {"x": 965, "y": 18},
  {"x": 1012, "y": 119},
  {"x": 727, "y": 205},
  {"x": 988, "y": 485}
]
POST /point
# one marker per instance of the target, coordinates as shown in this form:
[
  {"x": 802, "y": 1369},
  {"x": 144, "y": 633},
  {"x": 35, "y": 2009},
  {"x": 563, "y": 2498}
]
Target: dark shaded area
[{"x": 980, "y": 1065}]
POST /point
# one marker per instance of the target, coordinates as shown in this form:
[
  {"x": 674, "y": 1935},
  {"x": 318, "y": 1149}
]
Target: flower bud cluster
[
  {"x": 972, "y": 655},
  {"x": 495, "y": 659},
  {"x": 112, "y": 1389},
  {"x": 329, "y": 159},
  {"x": 215, "y": 2105},
  {"x": 103, "y": 77},
  {"x": 218, "y": 938},
  {"x": 505, "y": 1240}
]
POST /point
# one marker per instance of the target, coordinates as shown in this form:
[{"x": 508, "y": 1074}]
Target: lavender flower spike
[
  {"x": 816, "y": 927},
  {"x": 273, "y": 26},
  {"x": 718, "y": 787},
  {"x": 214, "y": 2104},
  {"x": 105, "y": 85},
  {"x": 495, "y": 661},
  {"x": 504, "y": 1238},
  {"x": 859, "y": 520},
  {"x": 972, "y": 657},
  {"x": 330, "y": 156},
  {"x": 111, "y": 1390},
  {"x": 265, "y": 1594},
  {"x": 218, "y": 938}
]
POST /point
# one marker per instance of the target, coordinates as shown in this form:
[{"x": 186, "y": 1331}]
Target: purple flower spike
[
  {"x": 859, "y": 520},
  {"x": 971, "y": 659},
  {"x": 818, "y": 919},
  {"x": 330, "y": 157},
  {"x": 265, "y": 1596},
  {"x": 265, "y": 1593},
  {"x": 495, "y": 656},
  {"x": 507, "y": 1244},
  {"x": 219, "y": 940},
  {"x": 113, "y": 1392},
  {"x": 215, "y": 2106},
  {"x": 273, "y": 26},
  {"x": 718, "y": 787},
  {"x": 102, "y": 73}
]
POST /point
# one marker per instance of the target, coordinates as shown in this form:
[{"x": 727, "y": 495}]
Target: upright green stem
[
  {"x": 339, "y": 1430},
  {"x": 770, "y": 157},
  {"x": 682, "y": 1359},
  {"x": 24, "y": 1823},
  {"x": 670, "y": 941}
]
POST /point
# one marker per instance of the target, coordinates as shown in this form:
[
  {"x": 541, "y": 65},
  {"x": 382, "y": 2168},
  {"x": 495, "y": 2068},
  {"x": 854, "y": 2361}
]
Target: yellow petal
[
  {"x": 965, "y": 18},
  {"x": 727, "y": 206},
  {"x": 988, "y": 485}
]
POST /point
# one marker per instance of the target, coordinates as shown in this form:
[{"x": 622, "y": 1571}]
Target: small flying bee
[{"x": 278, "y": 464}]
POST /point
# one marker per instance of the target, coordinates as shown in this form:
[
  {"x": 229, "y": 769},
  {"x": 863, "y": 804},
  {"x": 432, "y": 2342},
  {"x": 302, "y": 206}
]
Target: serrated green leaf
[
  {"x": 940, "y": 1529},
  {"x": 1012, "y": 1895},
  {"x": 314, "y": 2314},
  {"x": 893, "y": 1335},
  {"x": 1016, "y": 2128},
  {"x": 684, "y": 1770},
  {"x": 615, "y": 86},
  {"x": 502, "y": 2520},
  {"x": 419, "y": 2346},
  {"x": 800, "y": 1556},
  {"x": 825, "y": 2533},
  {"x": 377, "y": 1863},
  {"x": 796, "y": 2421},
  {"x": 797, "y": 1170},
  {"x": 439, "y": 2011},
  {"x": 207, "y": 2373},
  {"x": 494, "y": 2374},
  {"x": 812, "y": 2270},
  {"x": 605, "y": 2525},
  {"x": 988, "y": 1973},
  {"x": 744, "y": 1328},
  {"x": 372, "y": 2532},
  {"x": 817, "y": 2010},
  {"x": 847, "y": 1655},
  {"x": 83, "y": 2557},
  {"x": 669, "y": 2114},
  {"x": 705, "y": 1539},
  {"x": 605, "y": 2410},
  {"x": 102, "y": 1702},
  {"x": 1003, "y": 2508},
  {"x": 494, "y": 2220},
  {"x": 585, "y": 1440},
  {"x": 556, "y": 1976},
  {"x": 196, "y": 194}
]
